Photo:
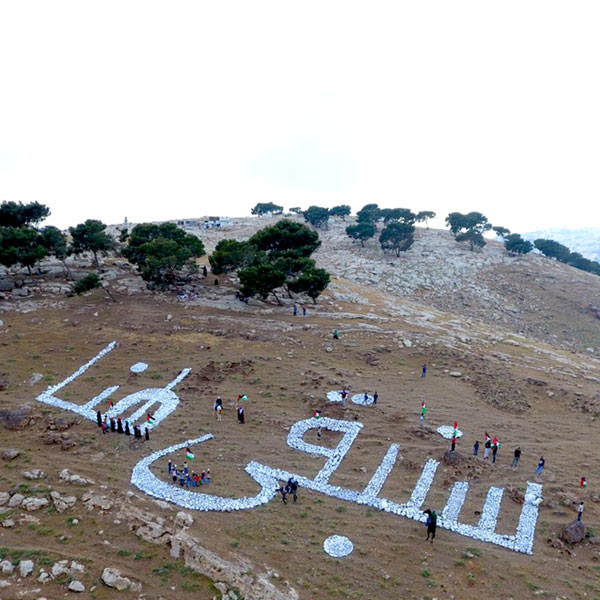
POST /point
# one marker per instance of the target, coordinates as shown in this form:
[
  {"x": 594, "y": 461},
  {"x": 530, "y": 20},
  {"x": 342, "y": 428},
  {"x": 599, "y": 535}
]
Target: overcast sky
[{"x": 156, "y": 110}]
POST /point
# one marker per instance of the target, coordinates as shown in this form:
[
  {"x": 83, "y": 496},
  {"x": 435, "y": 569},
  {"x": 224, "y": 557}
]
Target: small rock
[
  {"x": 4, "y": 497},
  {"x": 455, "y": 374},
  {"x": 59, "y": 568},
  {"x": 169, "y": 317},
  {"x": 76, "y": 586},
  {"x": 8, "y": 523},
  {"x": 112, "y": 578},
  {"x": 10, "y": 454},
  {"x": 328, "y": 349},
  {"x": 35, "y": 378},
  {"x": 35, "y": 474},
  {"x": 25, "y": 568}
]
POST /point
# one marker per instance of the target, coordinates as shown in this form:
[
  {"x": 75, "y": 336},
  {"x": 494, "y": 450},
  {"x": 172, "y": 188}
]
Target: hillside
[{"x": 510, "y": 347}]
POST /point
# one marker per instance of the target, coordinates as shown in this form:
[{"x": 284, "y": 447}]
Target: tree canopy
[
  {"x": 263, "y": 208},
  {"x": 343, "y": 210},
  {"x": 468, "y": 228},
  {"x": 162, "y": 252},
  {"x": 369, "y": 213},
  {"x": 501, "y": 231},
  {"x": 317, "y": 216},
  {"x": 17, "y": 214},
  {"x": 361, "y": 232},
  {"x": 91, "y": 236},
  {"x": 397, "y": 237},
  {"x": 20, "y": 245},
  {"x": 277, "y": 256},
  {"x": 425, "y": 215},
  {"x": 552, "y": 249},
  {"x": 515, "y": 244}
]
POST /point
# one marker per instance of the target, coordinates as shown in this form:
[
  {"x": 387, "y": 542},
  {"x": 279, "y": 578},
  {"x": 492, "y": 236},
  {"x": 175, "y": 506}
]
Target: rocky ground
[{"x": 511, "y": 348}]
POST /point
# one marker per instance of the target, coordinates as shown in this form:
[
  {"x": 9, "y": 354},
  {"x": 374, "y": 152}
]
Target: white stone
[
  {"x": 16, "y": 500},
  {"x": 183, "y": 519},
  {"x": 455, "y": 374},
  {"x": 34, "y": 474},
  {"x": 7, "y": 567},
  {"x": 76, "y": 586},
  {"x": 32, "y": 503},
  {"x": 60, "y": 568},
  {"x": 25, "y": 568},
  {"x": 62, "y": 503},
  {"x": 4, "y": 498}
]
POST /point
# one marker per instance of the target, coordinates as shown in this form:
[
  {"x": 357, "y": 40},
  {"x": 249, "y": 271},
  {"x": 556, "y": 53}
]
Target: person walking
[
  {"x": 494, "y": 452},
  {"x": 580, "y": 511},
  {"x": 476, "y": 448},
  {"x": 375, "y": 396},
  {"x": 516, "y": 457},
  {"x": 540, "y": 468}
]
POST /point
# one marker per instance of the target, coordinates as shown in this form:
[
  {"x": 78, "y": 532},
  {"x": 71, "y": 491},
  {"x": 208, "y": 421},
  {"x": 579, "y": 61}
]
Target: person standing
[
  {"x": 295, "y": 309},
  {"x": 375, "y": 396},
  {"x": 218, "y": 408},
  {"x": 423, "y": 370},
  {"x": 580, "y": 511},
  {"x": 486, "y": 448},
  {"x": 494, "y": 452},
  {"x": 540, "y": 468},
  {"x": 423, "y": 411},
  {"x": 453, "y": 444},
  {"x": 516, "y": 457},
  {"x": 170, "y": 465},
  {"x": 240, "y": 415},
  {"x": 303, "y": 310},
  {"x": 431, "y": 524},
  {"x": 344, "y": 395},
  {"x": 99, "y": 418},
  {"x": 476, "y": 448}
]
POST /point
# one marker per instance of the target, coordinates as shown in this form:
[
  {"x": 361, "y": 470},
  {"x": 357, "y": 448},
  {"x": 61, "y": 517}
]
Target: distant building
[
  {"x": 188, "y": 223},
  {"x": 211, "y": 222}
]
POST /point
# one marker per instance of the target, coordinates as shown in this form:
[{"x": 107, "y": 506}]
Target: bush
[{"x": 89, "y": 282}]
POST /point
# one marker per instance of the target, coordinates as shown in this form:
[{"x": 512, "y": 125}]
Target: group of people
[
  {"x": 116, "y": 425},
  {"x": 186, "y": 477},
  {"x": 241, "y": 415},
  {"x": 295, "y": 310}
]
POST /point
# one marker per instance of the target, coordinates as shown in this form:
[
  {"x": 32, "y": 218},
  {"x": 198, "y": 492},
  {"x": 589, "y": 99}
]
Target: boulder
[
  {"x": 16, "y": 500},
  {"x": 10, "y": 454},
  {"x": 8, "y": 523},
  {"x": 6, "y": 568},
  {"x": 76, "y": 586},
  {"x": 62, "y": 503},
  {"x": 7, "y": 284},
  {"x": 112, "y": 578},
  {"x": 17, "y": 418},
  {"x": 4, "y": 498},
  {"x": 65, "y": 475},
  {"x": 183, "y": 519},
  {"x": 452, "y": 457},
  {"x": 60, "y": 568},
  {"x": 30, "y": 504},
  {"x": 573, "y": 532},
  {"x": 95, "y": 501},
  {"x": 25, "y": 568}
]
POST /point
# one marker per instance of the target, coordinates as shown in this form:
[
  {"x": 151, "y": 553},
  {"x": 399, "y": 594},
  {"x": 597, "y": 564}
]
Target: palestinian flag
[
  {"x": 149, "y": 420},
  {"x": 189, "y": 454},
  {"x": 243, "y": 397},
  {"x": 423, "y": 408},
  {"x": 317, "y": 414},
  {"x": 583, "y": 482}
]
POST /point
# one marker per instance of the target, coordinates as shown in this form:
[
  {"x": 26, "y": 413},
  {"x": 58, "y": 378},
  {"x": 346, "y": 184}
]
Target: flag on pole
[
  {"x": 149, "y": 419},
  {"x": 189, "y": 454},
  {"x": 244, "y": 397},
  {"x": 317, "y": 414}
]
